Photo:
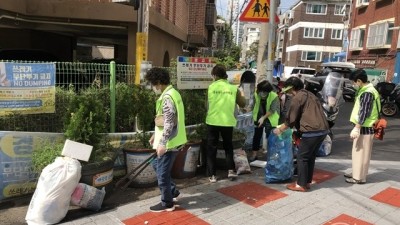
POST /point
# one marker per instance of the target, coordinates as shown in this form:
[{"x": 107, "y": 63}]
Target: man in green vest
[
  {"x": 169, "y": 135},
  {"x": 265, "y": 114},
  {"x": 222, "y": 100},
  {"x": 365, "y": 113}
]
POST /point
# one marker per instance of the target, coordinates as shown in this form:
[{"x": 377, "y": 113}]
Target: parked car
[{"x": 303, "y": 72}]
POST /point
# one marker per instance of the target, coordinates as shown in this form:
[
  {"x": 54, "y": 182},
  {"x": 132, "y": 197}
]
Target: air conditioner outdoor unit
[{"x": 290, "y": 15}]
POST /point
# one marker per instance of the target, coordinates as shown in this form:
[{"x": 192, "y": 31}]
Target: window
[
  {"x": 336, "y": 34},
  {"x": 314, "y": 32},
  {"x": 361, "y": 3},
  {"x": 316, "y": 9},
  {"x": 378, "y": 35},
  {"x": 340, "y": 10},
  {"x": 357, "y": 39},
  {"x": 310, "y": 56}
]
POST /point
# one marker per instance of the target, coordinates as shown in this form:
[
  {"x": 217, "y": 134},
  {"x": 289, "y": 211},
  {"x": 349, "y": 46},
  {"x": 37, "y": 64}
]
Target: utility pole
[
  {"x": 271, "y": 40},
  {"x": 262, "y": 54},
  {"x": 141, "y": 37}
]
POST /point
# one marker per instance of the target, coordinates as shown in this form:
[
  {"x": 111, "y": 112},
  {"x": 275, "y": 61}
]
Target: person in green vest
[
  {"x": 222, "y": 100},
  {"x": 265, "y": 114},
  {"x": 169, "y": 135},
  {"x": 365, "y": 113}
]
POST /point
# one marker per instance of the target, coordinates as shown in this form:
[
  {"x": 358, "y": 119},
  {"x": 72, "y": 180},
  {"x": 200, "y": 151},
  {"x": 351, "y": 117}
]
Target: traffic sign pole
[{"x": 271, "y": 42}]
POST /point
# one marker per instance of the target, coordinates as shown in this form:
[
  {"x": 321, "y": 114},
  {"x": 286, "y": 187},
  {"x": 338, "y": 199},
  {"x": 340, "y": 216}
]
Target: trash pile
[{"x": 58, "y": 187}]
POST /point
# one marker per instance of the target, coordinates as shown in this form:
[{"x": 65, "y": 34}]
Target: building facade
[
  {"x": 59, "y": 27},
  {"x": 251, "y": 34},
  {"x": 374, "y": 36},
  {"x": 314, "y": 32}
]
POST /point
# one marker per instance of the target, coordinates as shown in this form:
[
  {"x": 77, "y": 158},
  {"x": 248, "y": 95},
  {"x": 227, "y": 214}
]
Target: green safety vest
[
  {"x": 180, "y": 137},
  {"x": 274, "y": 118},
  {"x": 369, "y": 122},
  {"x": 221, "y": 104}
]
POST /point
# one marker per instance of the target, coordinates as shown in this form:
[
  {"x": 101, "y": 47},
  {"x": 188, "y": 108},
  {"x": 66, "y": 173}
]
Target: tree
[
  {"x": 230, "y": 54},
  {"x": 251, "y": 54}
]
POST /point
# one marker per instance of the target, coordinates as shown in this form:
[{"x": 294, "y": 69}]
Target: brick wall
[
  {"x": 197, "y": 14},
  {"x": 376, "y": 11},
  {"x": 175, "y": 11}
]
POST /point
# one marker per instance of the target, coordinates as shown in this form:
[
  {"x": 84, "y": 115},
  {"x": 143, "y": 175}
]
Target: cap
[{"x": 285, "y": 89}]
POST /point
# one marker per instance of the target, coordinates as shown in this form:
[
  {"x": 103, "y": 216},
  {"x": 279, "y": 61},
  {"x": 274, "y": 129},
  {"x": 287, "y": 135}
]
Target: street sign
[{"x": 257, "y": 11}]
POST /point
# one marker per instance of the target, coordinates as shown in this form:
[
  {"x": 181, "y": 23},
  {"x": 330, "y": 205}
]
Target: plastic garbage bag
[
  {"x": 326, "y": 146},
  {"x": 51, "y": 200},
  {"x": 279, "y": 157},
  {"x": 88, "y": 197}
]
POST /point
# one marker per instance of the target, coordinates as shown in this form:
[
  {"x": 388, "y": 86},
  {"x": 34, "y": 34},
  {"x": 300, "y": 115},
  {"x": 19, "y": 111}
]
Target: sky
[{"x": 222, "y": 6}]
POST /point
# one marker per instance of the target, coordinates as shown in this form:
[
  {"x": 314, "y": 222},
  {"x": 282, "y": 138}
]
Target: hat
[{"x": 285, "y": 89}]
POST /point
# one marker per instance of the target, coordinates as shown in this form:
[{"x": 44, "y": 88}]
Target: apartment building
[
  {"x": 61, "y": 26},
  {"x": 314, "y": 32},
  {"x": 374, "y": 36},
  {"x": 251, "y": 34}
]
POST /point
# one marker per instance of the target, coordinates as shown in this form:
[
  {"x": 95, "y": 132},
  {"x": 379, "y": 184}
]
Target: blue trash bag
[{"x": 279, "y": 157}]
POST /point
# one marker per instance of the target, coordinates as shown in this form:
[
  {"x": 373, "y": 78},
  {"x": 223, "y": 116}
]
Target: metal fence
[{"x": 73, "y": 77}]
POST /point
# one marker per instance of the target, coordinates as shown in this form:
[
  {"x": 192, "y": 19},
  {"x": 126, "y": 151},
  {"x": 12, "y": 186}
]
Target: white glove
[
  {"x": 261, "y": 121},
  {"x": 355, "y": 133}
]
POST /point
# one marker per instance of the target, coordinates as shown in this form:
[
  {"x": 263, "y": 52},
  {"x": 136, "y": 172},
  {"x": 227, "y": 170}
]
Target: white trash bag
[{"x": 51, "y": 200}]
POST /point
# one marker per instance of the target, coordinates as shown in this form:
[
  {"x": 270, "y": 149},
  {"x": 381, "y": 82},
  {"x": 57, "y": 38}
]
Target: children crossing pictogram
[{"x": 257, "y": 11}]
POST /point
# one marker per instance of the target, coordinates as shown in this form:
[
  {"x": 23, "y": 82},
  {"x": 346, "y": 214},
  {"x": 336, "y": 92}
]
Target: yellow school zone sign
[{"x": 257, "y": 11}]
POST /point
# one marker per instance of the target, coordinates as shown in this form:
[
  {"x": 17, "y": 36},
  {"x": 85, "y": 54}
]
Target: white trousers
[{"x": 361, "y": 156}]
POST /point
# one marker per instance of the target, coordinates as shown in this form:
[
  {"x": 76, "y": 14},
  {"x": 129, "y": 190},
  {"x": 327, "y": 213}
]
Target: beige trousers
[{"x": 361, "y": 156}]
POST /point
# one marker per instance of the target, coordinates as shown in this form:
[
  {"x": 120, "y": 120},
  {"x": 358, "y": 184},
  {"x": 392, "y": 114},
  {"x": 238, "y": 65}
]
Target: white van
[{"x": 303, "y": 72}]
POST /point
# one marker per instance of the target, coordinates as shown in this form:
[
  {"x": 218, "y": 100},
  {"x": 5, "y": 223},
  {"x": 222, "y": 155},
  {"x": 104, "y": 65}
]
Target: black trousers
[
  {"x": 308, "y": 150},
  {"x": 258, "y": 131},
  {"x": 213, "y": 133}
]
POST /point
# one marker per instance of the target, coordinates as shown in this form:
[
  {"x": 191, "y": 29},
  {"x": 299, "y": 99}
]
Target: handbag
[{"x": 379, "y": 127}]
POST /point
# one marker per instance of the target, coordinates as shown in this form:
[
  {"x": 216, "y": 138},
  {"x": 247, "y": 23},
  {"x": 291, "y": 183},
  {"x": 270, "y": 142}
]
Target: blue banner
[{"x": 27, "y": 87}]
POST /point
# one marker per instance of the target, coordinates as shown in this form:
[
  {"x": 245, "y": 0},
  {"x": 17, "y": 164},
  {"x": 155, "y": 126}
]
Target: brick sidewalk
[{"x": 249, "y": 200}]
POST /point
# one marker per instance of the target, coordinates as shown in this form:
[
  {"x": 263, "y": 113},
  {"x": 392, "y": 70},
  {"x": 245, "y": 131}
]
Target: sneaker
[
  {"x": 161, "y": 208},
  {"x": 212, "y": 179},
  {"x": 175, "y": 196},
  {"x": 231, "y": 174}
]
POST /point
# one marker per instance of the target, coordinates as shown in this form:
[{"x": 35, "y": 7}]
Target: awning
[{"x": 340, "y": 54}]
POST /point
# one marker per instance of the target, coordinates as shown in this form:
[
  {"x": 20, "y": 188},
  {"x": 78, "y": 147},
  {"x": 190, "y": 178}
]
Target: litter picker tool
[{"x": 129, "y": 177}]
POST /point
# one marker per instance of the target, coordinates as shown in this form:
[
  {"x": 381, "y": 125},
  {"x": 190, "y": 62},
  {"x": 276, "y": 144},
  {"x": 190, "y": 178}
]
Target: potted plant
[
  {"x": 85, "y": 122},
  {"x": 140, "y": 149}
]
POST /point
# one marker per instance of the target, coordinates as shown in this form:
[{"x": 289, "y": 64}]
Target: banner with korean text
[
  {"x": 27, "y": 88},
  {"x": 194, "y": 72}
]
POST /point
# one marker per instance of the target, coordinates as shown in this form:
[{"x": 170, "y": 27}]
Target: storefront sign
[{"x": 364, "y": 62}]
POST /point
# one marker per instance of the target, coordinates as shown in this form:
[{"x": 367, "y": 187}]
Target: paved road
[{"x": 336, "y": 193}]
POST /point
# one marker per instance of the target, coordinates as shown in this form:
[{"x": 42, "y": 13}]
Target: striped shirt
[
  {"x": 170, "y": 121},
  {"x": 366, "y": 105}
]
